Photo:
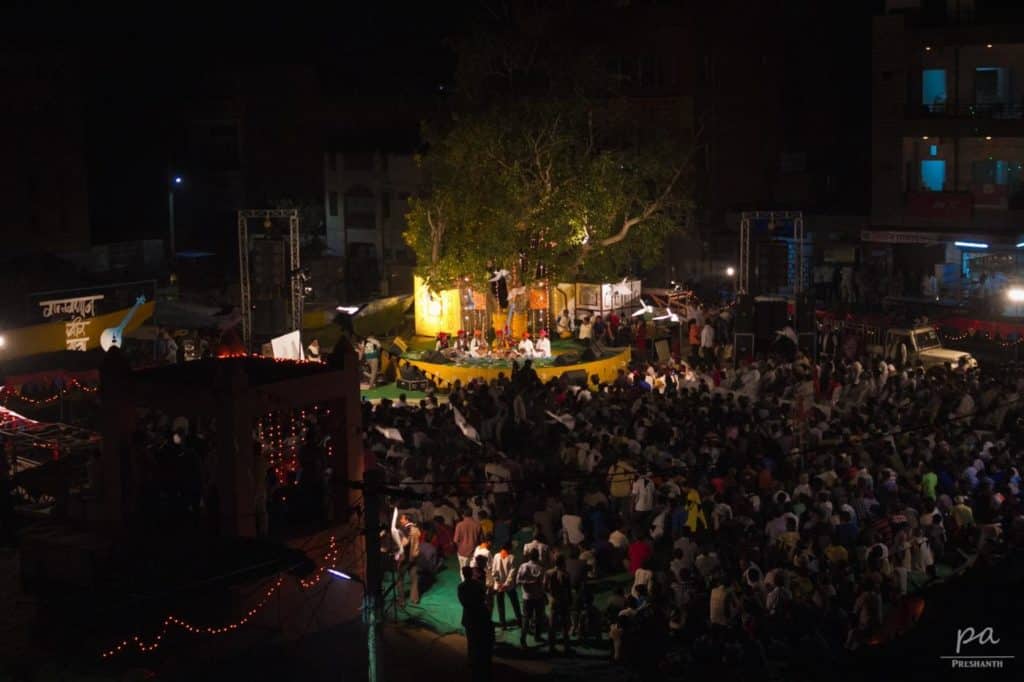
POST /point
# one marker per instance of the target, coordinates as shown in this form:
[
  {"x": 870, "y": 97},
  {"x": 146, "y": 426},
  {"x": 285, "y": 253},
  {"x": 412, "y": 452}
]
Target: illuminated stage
[{"x": 606, "y": 368}]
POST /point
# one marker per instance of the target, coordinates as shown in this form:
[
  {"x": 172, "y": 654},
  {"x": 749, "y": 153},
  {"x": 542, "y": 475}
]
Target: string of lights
[
  {"x": 9, "y": 392},
  {"x": 329, "y": 560},
  {"x": 283, "y": 433},
  {"x": 981, "y": 336},
  {"x": 153, "y": 644}
]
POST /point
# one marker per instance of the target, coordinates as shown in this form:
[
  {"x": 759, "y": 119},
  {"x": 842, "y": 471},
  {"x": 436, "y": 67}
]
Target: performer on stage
[
  {"x": 462, "y": 342},
  {"x": 525, "y": 346},
  {"x": 478, "y": 345},
  {"x": 565, "y": 325},
  {"x": 542, "y": 347},
  {"x": 442, "y": 342}
]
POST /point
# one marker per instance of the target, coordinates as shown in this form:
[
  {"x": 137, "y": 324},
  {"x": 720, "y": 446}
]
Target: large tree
[
  {"x": 549, "y": 190},
  {"x": 542, "y": 168}
]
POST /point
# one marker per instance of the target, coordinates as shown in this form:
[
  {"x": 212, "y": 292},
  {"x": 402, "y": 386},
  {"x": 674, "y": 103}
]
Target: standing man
[
  {"x": 707, "y": 343},
  {"x": 530, "y": 577},
  {"x": 409, "y": 563},
  {"x": 503, "y": 582},
  {"x": 371, "y": 356},
  {"x": 558, "y": 586},
  {"x": 468, "y": 535},
  {"x": 620, "y": 484},
  {"x": 476, "y": 620},
  {"x": 564, "y": 325}
]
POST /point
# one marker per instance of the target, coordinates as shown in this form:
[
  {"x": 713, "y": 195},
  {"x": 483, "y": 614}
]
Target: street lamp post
[{"x": 176, "y": 181}]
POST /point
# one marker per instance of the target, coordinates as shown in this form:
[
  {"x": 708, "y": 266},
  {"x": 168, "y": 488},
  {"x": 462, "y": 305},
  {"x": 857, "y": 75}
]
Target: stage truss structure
[
  {"x": 746, "y": 218},
  {"x": 295, "y": 280}
]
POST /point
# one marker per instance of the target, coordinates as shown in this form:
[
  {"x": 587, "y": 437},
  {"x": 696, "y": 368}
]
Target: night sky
[{"x": 137, "y": 68}]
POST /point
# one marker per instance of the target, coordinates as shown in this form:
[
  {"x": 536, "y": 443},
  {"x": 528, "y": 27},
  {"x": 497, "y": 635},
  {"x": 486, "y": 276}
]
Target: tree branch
[
  {"x": 436, "y": 236},
  {"x": 649, "y": 210}
]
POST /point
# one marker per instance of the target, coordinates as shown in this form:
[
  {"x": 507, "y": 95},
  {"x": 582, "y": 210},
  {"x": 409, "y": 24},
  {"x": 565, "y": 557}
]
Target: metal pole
[
  {"x": 170, "y": 219},
  {"x": 373, "y": 481},
  {"x": 245, "y": 303},
  {"x": 798, "y": 233}
]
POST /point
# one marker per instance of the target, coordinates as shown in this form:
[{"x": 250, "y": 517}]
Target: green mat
[{"x": 440, "y": 611}]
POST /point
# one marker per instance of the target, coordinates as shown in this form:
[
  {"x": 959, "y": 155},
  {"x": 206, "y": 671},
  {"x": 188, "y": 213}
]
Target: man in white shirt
[
  {"x": 707, "y": 342},
  {"x": 643, "y": 495},
  {"x": 503, "y": 583},
  {"x": 478, "y": 345},
  {"x": 586, "y": 329},
  {"x": 525, "y": 347},
  {"x": 530, "y": 578},
  {"x": 542, "y": 347},
  {"x": 537, "y": 545}
]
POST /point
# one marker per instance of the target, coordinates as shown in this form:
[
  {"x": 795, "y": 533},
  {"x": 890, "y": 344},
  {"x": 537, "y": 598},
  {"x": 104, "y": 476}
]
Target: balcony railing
[{"x": 987, "y": 112}]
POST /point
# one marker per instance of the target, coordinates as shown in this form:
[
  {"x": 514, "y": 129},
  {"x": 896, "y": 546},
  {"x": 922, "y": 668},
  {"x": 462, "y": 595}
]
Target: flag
[
  {"x": 468, "y": 430},
  {"x": 566, "y": 420},
  {"x": 397, "y": 536},
  {"x": 391, "y": 433}
]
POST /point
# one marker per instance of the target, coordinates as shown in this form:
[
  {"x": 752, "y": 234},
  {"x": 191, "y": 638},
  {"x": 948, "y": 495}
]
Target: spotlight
[
  {"x": 1015, "y": 294},
  {"x": 730, "y": 271}
]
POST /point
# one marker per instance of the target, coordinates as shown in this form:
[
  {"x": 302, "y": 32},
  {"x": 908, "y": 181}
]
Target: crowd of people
[{"x": 692, "y": 511}]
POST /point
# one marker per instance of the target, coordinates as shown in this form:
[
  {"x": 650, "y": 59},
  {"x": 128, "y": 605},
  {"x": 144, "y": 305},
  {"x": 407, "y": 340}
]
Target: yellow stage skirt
[{"x": 607, "y": 369}]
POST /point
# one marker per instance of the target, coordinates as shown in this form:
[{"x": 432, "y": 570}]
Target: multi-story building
[
  {"x": 366, "y": 193},
  {"x": 948, "y": 138}
]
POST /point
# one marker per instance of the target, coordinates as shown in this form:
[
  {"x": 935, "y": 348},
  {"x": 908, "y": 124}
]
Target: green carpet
[{"x": 440, "y": 611}]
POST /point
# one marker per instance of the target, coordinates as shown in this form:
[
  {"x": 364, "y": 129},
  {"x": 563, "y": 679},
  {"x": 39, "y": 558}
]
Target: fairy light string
[
  {"x": 142, "y": 645},
  {"x": 9, "y": 392}
]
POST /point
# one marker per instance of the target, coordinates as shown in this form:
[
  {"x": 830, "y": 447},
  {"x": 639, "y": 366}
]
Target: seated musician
[
  {"x": 462, "y": 343},
  {"x": 478, "y": 345},
  {"x": 442, "y": 343},
  {"x": 542, "y": 346},
  {"x": 525, "y": 347}
]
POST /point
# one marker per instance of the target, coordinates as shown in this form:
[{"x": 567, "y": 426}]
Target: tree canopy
[
  {"x": 543, "y": 168},
  {"x": 548, "y": 190}
]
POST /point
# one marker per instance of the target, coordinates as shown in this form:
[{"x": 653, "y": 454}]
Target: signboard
[
  {"x": 899, "y": 237},
  {"x": 78, "y": 333},
  {"x": 940, "y": 204},
  {"x": 288, "y": 346}
]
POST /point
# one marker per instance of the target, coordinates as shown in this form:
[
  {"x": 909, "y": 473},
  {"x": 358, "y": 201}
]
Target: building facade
[
  {"x": 366, "y": 197},
  {"x": 948, "y": 138}
]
